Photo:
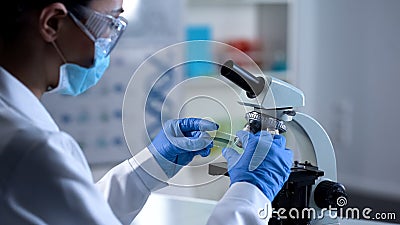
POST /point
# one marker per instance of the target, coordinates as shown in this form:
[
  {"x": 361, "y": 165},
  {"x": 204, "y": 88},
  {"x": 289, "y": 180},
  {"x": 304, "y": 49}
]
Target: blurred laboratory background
[{"x": 344, "y": 55}]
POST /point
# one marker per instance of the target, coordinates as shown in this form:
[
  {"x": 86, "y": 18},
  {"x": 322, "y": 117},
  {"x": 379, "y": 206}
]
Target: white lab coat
[{"x": 45, "y": 178}]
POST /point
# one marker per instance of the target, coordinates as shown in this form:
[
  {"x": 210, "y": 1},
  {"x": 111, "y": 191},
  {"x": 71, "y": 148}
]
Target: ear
[{"x": 50, "y": 20}]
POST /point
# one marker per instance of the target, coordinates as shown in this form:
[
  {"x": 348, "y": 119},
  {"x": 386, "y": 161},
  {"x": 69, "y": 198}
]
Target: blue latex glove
[
  {"x": 180, "y": 141},
  {"x": 265, "y": 162}
]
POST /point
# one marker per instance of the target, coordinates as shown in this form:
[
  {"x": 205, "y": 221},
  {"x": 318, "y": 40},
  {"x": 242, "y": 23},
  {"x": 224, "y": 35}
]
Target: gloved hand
[
  {"x": 180, "y": 141},
  {"x": 265, "y": 162}
]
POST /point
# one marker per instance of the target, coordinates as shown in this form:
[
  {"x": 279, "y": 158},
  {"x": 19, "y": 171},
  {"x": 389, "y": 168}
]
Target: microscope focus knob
[{"x": 330, "y": 194}]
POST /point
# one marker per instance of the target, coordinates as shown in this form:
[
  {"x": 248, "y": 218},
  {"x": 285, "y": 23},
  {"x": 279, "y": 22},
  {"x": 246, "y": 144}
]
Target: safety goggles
[{"x": 99, "y": 26}]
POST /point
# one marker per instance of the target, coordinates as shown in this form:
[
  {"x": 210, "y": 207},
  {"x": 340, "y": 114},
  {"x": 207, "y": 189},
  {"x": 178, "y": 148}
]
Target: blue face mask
[{"x": 75, "y": 79}]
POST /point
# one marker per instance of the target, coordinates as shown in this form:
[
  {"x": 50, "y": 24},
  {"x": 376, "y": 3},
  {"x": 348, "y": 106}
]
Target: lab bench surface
[{"x": 174, "y": 210}]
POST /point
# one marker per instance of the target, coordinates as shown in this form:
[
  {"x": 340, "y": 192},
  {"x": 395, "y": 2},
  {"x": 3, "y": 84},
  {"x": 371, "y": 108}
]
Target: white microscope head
[
  {"x": 262, "y": 91},
  {"x": 276, "y": 94}
]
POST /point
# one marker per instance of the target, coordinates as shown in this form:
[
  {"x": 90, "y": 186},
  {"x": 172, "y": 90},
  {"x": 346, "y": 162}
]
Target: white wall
[
  {"x": 348, "y": 64},
  {"x": 227, "y": 21}
]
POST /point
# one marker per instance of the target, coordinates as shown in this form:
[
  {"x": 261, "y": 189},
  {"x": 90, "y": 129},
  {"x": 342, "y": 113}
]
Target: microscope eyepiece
[{"x": 251, "y": 84}]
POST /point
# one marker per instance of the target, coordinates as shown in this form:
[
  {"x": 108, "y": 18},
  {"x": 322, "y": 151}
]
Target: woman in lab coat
[{"x": 63, "y": 46}]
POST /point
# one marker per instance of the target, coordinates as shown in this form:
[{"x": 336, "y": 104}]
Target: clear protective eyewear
[{"x": 101, "y": 28}]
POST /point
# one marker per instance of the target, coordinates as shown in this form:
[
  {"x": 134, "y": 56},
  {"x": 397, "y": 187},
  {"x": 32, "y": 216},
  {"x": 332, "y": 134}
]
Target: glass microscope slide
[{"x": 222, "y": 139}]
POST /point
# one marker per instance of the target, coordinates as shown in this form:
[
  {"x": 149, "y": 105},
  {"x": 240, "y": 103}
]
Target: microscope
[{"x": 312, "y": 185}]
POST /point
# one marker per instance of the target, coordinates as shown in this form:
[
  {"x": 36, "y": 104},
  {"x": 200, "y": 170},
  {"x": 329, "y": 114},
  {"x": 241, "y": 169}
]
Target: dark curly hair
[{"x": 12, "y": 13}]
